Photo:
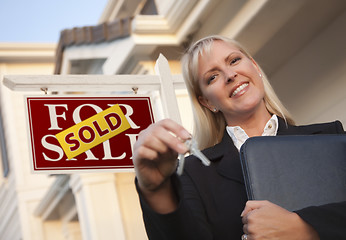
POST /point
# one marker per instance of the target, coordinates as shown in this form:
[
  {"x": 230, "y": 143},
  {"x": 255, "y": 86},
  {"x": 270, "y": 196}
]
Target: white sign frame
[{"x": 163, "y": 81}]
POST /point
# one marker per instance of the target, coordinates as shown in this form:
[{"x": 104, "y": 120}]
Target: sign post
[{"x": 76, "y": 133}]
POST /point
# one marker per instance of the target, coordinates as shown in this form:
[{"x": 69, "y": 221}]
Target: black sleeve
[
  {"x": 328, "y": 220},
  {"x": 339, "y": 128},
  {"x": 182, "y": 224}
]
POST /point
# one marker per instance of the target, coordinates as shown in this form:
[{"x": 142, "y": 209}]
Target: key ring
[{"x": 191, "y": 144}]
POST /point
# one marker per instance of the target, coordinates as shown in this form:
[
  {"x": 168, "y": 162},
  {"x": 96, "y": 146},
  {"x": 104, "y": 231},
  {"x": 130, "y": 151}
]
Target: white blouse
[{"x": 239, "y": 136}]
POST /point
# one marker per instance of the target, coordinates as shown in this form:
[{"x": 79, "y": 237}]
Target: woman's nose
[{"x": 231, "y": 77}]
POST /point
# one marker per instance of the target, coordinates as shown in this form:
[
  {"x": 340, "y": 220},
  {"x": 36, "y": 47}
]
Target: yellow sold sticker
[{"x": 93, "y": 131}]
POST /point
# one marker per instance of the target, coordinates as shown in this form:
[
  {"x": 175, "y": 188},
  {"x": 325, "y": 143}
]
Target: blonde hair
[{"x": 209, "y": 127}]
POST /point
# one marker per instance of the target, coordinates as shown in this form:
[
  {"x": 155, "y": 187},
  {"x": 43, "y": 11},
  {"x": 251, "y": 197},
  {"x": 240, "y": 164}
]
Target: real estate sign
[{"x": 85, "y": 133}]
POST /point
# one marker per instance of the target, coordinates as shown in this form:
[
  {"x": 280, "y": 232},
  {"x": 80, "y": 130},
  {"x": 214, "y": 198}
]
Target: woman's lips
[{"x": 239, "y": 89}]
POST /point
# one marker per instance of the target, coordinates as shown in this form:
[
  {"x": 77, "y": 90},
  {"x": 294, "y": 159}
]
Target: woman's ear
[
  {"x": 258, "y": 69},
  {"x": 204, "y": 102}
]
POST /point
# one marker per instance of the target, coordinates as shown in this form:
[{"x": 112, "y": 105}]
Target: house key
[{"x": 192, "y": 146}]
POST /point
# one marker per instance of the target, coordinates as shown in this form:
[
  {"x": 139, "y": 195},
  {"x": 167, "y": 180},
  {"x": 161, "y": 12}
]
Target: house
[
  {"x": 299, "y": 44},
  {"x": 20, "y": 191}
]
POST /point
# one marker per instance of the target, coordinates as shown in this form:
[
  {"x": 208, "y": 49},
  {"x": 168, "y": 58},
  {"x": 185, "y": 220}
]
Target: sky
[{"x": 42, "y": 21}]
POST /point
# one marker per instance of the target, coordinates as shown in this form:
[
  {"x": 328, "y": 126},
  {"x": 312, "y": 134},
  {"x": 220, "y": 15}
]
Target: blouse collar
[{"x": 239, "y": 136}]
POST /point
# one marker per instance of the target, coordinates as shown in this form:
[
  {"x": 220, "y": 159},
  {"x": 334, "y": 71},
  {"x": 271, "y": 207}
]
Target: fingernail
[
  {"x": 185, "y": 134},
  {"x": 242, "y": 214},
  {"x": 182, "y": 148}
]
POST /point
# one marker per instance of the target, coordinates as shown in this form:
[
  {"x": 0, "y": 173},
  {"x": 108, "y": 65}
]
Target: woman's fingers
[
  {"x": 173, "y": 135},
  {"x": 156, "y": 150},
  {"x": 252, "y": 205},
  {"x": 162, "y": 136},
  {"x": 266, "y": 220}
]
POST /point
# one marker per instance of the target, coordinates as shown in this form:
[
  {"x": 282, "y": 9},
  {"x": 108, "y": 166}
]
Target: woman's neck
[{"x": 253, "y": 124}]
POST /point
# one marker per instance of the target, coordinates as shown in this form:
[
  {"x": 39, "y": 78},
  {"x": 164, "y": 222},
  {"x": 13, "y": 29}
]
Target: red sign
[{"x": 48, "y": 116}]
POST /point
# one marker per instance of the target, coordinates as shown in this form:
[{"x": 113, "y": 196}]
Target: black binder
[{"x": 295, "y": 171}]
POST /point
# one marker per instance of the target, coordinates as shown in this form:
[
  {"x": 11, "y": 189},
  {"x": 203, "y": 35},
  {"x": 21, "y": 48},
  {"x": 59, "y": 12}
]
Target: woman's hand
[
  {"x": 155, "y": 160},
  {"x": 265, "y": 220}
]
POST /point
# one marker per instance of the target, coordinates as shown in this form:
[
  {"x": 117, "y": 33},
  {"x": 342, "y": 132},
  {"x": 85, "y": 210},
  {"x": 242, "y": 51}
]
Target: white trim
[
  {"x": 170, "y": 20},
  {"x": 8, "y": 206},
  {"x": 148, "y": 32},
  {"x": 144, "y": 24},
  {"x": 52, "y": 198},
  {"x": 86, "y": 52},
  {"x": 243, "y": 17},
  {"x": 110, "y": 10},
  {"x": 118, "y": 56},
  {"x": 192, "y": 22},
  {"x": 19, "y": 52},
  {"x": 116, "y": 9},
  {"x": 251, "y": 18},
  {"x": 87, "y": 83},
  {"x": 86, "y": 185},
  {"x": 171, "y": 17}
]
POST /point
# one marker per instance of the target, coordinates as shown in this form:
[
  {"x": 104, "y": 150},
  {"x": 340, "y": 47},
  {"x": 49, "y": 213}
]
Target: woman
[{"x": 232, "y": 101}]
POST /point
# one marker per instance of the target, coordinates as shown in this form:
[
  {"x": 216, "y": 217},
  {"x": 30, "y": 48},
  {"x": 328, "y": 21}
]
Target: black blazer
[{"x": 212, "y": 198}]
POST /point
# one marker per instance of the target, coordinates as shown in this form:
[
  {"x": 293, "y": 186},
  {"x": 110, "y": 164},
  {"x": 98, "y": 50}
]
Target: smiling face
[{"x": 231, "y": 83}]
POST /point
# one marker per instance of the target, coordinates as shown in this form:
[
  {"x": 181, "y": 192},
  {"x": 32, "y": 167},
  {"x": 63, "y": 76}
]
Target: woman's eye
[
  {"x": 211, "y": 78},
  {"x": 234, "y": 60}
]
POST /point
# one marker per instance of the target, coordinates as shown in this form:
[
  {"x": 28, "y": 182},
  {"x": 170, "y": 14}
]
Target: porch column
[
  {"x": 71, "y": 230},
  {"x": 98, "y": 206}
]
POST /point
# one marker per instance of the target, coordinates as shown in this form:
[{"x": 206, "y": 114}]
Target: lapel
[
  {"x": 227, "y": 157},
  {"x": 286, "y": 129}
]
